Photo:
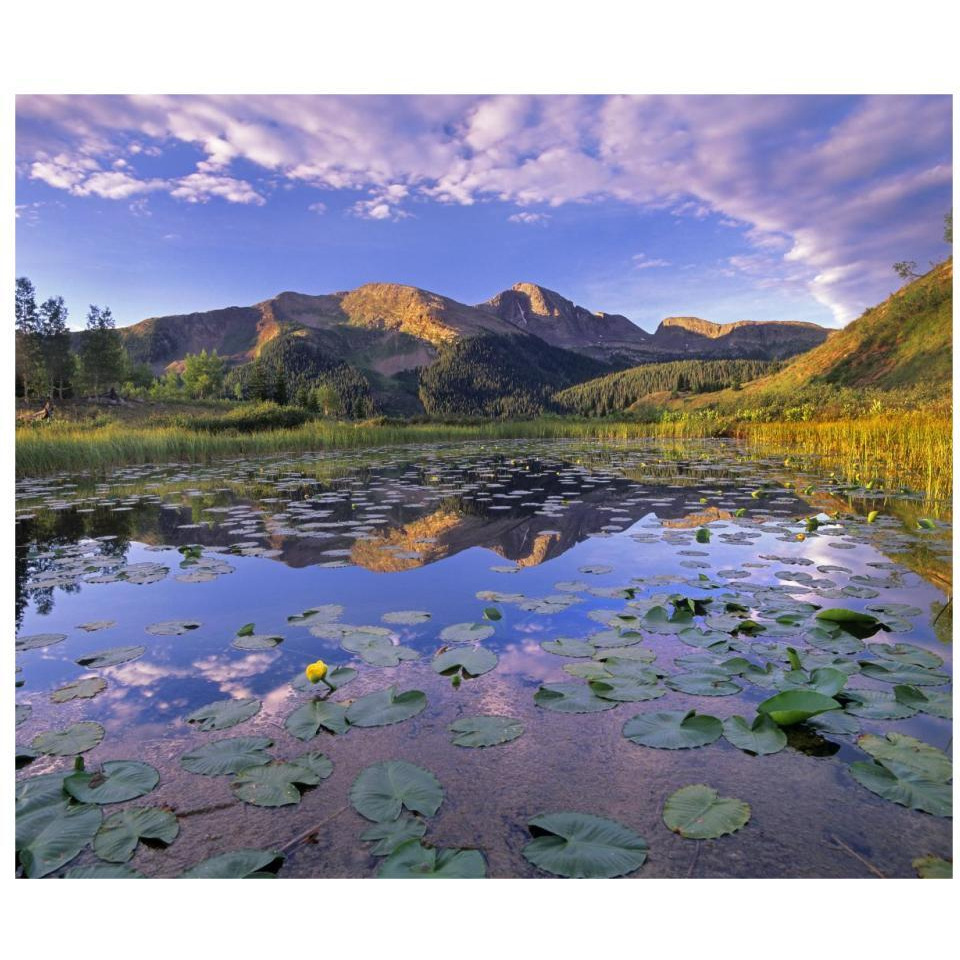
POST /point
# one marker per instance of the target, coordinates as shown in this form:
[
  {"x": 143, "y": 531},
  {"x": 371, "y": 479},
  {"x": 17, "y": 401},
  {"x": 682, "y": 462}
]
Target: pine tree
[
  {"x": 27, "y": 338},
  {"x": 54, "y": 345},
  {"x": 102, "y": 350},
  {"x": 260, "y": 386}
]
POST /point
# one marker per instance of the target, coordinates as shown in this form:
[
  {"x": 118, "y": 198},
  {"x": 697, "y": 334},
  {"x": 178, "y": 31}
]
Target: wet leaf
[
  {"x": 37, "y": 641},
  {"x": 584, "y": 846},
  {"x": 933, "y": 868},
  {"x": 315, "y": 715},
  {"x": 83, "y": 689},
  {"x": 383, "y": 790},
  {"x": 570, "y": 698},
  {"x": 120, "y": 833},
  {"x": 110, "y": 657},
  {"x": 698, "y": 813},
  {"x": 466, "y": 632},
  {"x": 49, "y": 836},
  {"x": 230, "y": 755},
  {"x": 385, "y": 706},
  {"x": 236, "y": 865},
  {"x": 905, "y": 787},
  {"x": 795, "y": 706},
  {"x": 392, "y": 834},
  {"x": 223, "y": 714},
  {"x": 673, "y": 729},
  {"x": 172, "y": 628},
  {"x": 114, "y": 782},
  {"x": 413, "y": 860},
  {"x": 77, "y": 738},
  {"x": 761, "y": 737},
  {"x": 473, "y": 661},
  {"x": 485, "y": 730}
]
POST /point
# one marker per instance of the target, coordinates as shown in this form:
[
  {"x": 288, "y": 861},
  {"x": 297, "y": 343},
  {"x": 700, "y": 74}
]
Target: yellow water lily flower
[{"x": 316, "y": 671}]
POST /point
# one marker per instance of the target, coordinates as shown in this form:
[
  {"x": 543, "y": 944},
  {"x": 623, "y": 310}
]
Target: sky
[{"x": 722, "y": 207}]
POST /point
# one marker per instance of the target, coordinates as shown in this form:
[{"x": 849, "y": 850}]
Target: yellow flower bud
[{"x": 316, "y": 671}]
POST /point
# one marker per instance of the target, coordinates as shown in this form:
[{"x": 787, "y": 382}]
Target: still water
[{"x": 224, "y": 581}]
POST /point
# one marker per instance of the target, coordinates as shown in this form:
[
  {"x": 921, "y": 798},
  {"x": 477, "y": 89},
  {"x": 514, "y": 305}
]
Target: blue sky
[{"x": 728, "y": 208}]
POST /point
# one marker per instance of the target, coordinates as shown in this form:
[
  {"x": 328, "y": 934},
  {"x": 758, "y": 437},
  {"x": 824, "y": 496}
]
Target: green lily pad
[
  {"x": 94, "y": 625},
  {"x": 120, "y": 833},
  {"x": 406, "y": 617},
  {"x": 172, "y": 628},
  {"x": 49, "y": 836},
  {"x": 77, "y": 738},
  {"x": 114, "y": 782},
  {"x": 673, "y": 729},
  {"x": 698, "y": 813},
  {"x": 903, "y": 673},
  {"x": 231, "y": 755},
  {"x": 466, "y": 632},
  {"x": 876, "y": 705},
  {"x": 625, "y": 689},
  {"x": 392, "y": 834},
  {"x": 485, "y": 731},
  {"x": 837, "y": 722},
  {"x": 256, "y": 641},
  {"x": 569, "y": 647},
  {"x": 905, "y": 751},
  {"x": 325, "y": 613},
  {"x": 383, "y": 707},
  {"x": 383, "y": 790},
  {"x": 223, "y": 714},
  {"x": 761, "y": 737},
  {"x": 37, "y": 641},
  {"x": 905, "y": 787},
  {"x": 926, "y": 701},
  {"x": 110, "y": 657},
  {"x": 236, "y": 865},
  {"x": 584, "y": 846},
  {"x": 571, "y": 698},
  {"x": 315, "y": 715},
  {"x": 83, "y": 689},
  {"x": 933, "y": 868},
  {"x": 907, "y": 653},
  {"x": 336, "y": 678},
  {"x": 703, "y": 684},
  {"x": 377, "y": 650},
  {"x": 413, "y": 860},
  {"x": 473, "y": 661},
  {"x": 277, "y": 784},
  {"x": 795, "y": 706}
]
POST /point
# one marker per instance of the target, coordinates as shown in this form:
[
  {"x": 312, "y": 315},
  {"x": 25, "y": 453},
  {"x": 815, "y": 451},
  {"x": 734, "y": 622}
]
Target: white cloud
[
  {"x": 318, "y": 208},
  {"x": 528, "y": 217},
  {"x": 642, "y": 262},
  {"x": 832, "y": 190}
]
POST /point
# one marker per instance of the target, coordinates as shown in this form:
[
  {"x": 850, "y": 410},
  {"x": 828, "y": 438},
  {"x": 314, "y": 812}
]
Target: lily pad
[
  {"x": 900, "y": 750},
  {"x": 120, "y": 833},
  {"x": 77, "y": 738},
  {"x": 571, "y": 698},
  {"x": 383, "y": 790},
  {"x": 584, "y": 846},
  {"x": 315, "y": 715},
  {"x": 392, "y": 834},
  {"x": 37, "y": 641},
  {"x": 223, "y": 714},
  {"x": 110, "y": 657},
  {"x": 104, "y": 871},
  {"x": 413, "y": 860},
  {"x": 673, "y": 729},
  {"x": 703, "y": 684},
  {"x": 473, "y": 661},
  {"x": 933, "y": 868},
  {"x": 236, "y": 865},
  {"x": 406, "y": 617},
  {"x": 377, "y": 650},
  {"x": 114, "y": 782},
  {"x": 50, "y": 836},
  {"x": 569, "y": 647},
  {"x": 485, "y": 731},
  {"x": 795, "y": 706},
  {"x": 466, "y": 632},
  {"x": 231, "y": 755},
  {"x": 905, "y": 787},
  {"x": 256, "y": 641},
  {"x": 83, "y": 689},
  {"x": 761, "y": 737},
  {"x": 385, "y": 706},
  {"x": 698, "y": 813},
  {"x": 172, "y": 628},
  {"x": 277, "y": 784}
]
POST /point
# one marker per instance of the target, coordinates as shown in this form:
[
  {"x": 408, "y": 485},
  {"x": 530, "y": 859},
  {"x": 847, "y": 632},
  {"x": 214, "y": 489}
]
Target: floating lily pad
[
  {"x": 256, "y": 641},
  {"x": 392, "y": 834},
  {"x": 120, "y": 833},
  {"x": 383, "y": 790},
  {"x": 385, "y": 706},
  {"x": 761, "y": 737},
  {"x": 110, "y": 657},
  {"x": 82, "y": 689},
  {"x": 315, "y": 715},
  {"x": 900, "y": 750},
  {"x": 584, "y": 846},
  {"x": 926, "y": 701},
  {"x": 413, "y": 860},
  {"x": 104, "y": 871},
  {"x": 114, "y": 782},
  {"x": 326, "y": 613},
  {"x": 571, "y": 698},
  {"x": 903, "y": 673},
  {"x": 377, "y": 650},
  {"x": 236, "y": 865},
  {"x": 172, "y": 628},
  {"x": 703, "y": 684},
  {"x": 568, "y": 647},
  {"x": 876, "y": 705},
  {"x": 673, "y": 729},
  {"x": 466, "y": 632},
  {"x": 336, "y": 677},
  {"x": 231, "y": 755},
  {"x": 49, "y": 836},
  {"x": 94, "y": 625},
  {"x": 905, "y": 787},
  {"x": 223, "y": 714},
  {"x": 698, "y": 813},
  {"x": 473, "y": 661},
  {"x": 406, "y": 617},
  {"x": 795, "y": 706},
  {"x": 933, "y": 868},
  {"x": 277, "y": 784},
  {"x": 485, "y": 731},
  {"x": 77, "y": 738},
  {"x": 37, "y": 641}
]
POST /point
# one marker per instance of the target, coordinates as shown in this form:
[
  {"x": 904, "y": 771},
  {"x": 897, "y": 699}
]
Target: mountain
[
  {"x": 904, "y": 342},
  {"x": 393, "y": 348}
]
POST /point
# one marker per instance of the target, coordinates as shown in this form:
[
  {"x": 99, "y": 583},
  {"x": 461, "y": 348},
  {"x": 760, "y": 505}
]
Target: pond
[{"x": 604, "y": 608}]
